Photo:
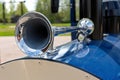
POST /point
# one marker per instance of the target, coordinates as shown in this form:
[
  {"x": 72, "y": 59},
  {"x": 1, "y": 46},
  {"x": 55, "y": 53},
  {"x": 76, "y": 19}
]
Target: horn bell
[{"x": 34, "y": 34}]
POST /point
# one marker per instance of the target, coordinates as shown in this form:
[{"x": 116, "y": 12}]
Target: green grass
[
  {"x": 61, "y": 24},
  {"x": 8, "y": 29}
]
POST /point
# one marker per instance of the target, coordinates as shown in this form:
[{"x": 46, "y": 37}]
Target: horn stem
[{"x": 59, "y": 30}]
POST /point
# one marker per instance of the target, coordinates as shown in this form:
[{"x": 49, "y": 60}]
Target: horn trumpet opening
[{"x": 36, "y": 33}]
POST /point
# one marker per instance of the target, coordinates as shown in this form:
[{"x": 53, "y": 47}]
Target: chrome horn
[{"x": 34, "y": 33}]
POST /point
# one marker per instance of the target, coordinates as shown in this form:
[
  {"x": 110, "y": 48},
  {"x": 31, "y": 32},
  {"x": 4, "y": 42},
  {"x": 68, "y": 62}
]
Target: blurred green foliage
[
  {"x": 43, "y": 6},
  {"x": 12, "y": 11},
  {"x": 63, "y": 15}
]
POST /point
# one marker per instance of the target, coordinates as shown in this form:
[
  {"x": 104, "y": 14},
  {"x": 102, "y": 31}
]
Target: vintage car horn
[{"x": 34, "y": 32}]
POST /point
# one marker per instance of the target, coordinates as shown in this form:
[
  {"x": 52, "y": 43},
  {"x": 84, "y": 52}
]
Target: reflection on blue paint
[{"x": 102, "y": 58}]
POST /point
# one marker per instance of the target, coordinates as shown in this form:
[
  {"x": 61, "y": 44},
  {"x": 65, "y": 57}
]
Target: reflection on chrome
[
  {"x": 64, "y": 52},
  {"x": 35, "y": 36},
  {"x": 29, "y": 51},
  {"x": 87, "y": 26}
]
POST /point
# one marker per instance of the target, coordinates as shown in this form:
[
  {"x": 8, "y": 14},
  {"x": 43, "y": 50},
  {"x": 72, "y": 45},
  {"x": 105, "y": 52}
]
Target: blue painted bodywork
[{"x": 101, "y": 60}]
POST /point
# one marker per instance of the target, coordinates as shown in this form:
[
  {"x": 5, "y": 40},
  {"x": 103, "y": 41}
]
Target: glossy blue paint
[
  {"x": 102, "y": 60},
  {"x": 73, "y": 17}
]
